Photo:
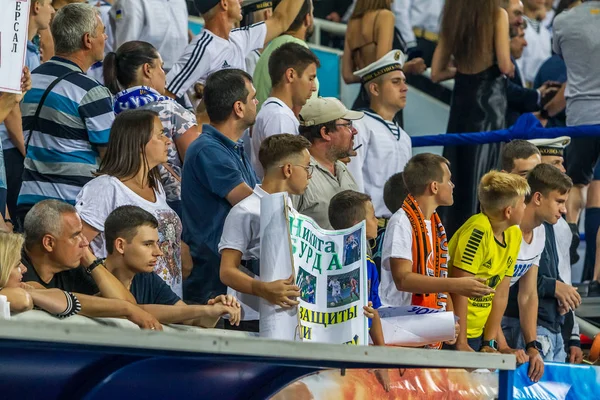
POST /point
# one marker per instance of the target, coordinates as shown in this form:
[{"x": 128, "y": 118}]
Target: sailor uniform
[{"x": 385, "y": 150}]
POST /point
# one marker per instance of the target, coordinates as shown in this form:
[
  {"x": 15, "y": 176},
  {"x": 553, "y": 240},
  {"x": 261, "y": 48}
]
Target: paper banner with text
[
  {"x": 14, "y": 22},
  {"x": 330, "y": 269},
  {"x": 416, "y": 326}
]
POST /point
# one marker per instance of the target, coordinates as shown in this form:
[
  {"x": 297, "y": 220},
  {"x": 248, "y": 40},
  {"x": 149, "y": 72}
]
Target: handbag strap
[{"x": 38, "y": 110}]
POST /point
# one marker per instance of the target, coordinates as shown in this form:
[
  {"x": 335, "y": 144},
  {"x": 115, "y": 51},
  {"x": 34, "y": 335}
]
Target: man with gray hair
[
  {"x": 67, "y": 115},
  {"x": 56, "y": 255}
]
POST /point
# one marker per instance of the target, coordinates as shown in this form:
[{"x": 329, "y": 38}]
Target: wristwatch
[
  {"x": 97, "y": 261},
  {"x": 490, "y": 343},
  {"x": 535, "y": 344}
]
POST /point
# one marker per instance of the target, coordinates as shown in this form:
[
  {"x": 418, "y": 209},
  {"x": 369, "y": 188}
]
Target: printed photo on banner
[
  {"x": 352, "y": 247},
  {"x": 343, "y": 289},
  {"x": 308, "y": 286}
]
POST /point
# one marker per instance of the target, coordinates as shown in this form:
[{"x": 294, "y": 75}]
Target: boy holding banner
[
  {"x": 286, "y": 163},
  {"x": 415, "y": 253},
  {"x": 486, "y": 247},
  {"x": 347, "y": 209}
]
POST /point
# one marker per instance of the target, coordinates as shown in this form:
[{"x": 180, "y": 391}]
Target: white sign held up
[{"x": 14, "y": 22}]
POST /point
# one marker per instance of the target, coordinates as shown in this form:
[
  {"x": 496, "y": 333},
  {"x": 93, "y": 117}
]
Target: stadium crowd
[{"x": 135, "y": 160}]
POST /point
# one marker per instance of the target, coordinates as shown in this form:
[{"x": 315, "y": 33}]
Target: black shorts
[{"x": 581, "y": 157}]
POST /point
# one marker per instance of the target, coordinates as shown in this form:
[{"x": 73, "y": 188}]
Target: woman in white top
[
  {"x": 135, "y": 75},
  {"x": 128, "y": 175}
]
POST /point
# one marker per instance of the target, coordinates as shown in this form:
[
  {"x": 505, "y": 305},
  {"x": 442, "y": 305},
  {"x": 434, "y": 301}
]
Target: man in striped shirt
[
  {"x": 65, "y": 141},
  {"x": 219, "y": 47}
]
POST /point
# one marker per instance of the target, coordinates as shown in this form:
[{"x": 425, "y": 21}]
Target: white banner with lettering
[
  {"x": 14, "y": 22},
  {"x": 330, "y": 269}
]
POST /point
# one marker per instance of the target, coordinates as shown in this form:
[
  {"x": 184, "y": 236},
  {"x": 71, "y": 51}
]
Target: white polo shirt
[
  {"x": 162, "y": 23},
  {"x": 274, "y": 117},
  {"x": 208, "y": 53},
  {"x": 385, "y": 150},
  {"x": 529, "y": 254}
]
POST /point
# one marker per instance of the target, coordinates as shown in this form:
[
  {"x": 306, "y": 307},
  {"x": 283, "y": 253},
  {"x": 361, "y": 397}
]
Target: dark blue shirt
[
  {"x": 149, "y": 288},
  {"x": 214, "y": 165}
]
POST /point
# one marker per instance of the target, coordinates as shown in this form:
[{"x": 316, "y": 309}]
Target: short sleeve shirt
[
  {"x": 576, "y": 33},
  {"x": 261, "y": 76},
  {"x": 77, "y": 115},
  {"x": 75, "y": 280},
  {"x": 274, "y": 117},
  {"x": 474, "y": 249},
  {"x": 214, "y": 165},
  {"x": 397, "y": 243},
  {"x": 104, "y": 194},
  {"x": 149, "y": 288},
  {"x": 529, "y": 253},
  {"x": 208, "y": 53},
  {"x": 242, "y": 233},
  {"x": 323, "y": 186}
]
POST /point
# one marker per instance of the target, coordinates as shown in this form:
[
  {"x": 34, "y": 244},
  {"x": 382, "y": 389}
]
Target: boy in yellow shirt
[{"x": 487, "y": 246}]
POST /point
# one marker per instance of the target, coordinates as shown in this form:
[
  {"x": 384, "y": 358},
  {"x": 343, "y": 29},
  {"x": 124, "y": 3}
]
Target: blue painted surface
[{"x": 328, "y": 73}]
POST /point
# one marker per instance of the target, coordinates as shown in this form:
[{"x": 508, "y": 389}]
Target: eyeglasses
[
  {"x": 348, "y": 125},
  {"x": 309, "y": 168}
]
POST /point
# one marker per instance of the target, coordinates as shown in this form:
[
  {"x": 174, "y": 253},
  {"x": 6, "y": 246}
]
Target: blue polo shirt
[{"x": 214, "y": 165}]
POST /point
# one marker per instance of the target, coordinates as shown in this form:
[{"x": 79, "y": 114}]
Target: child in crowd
[
  {"x": 394, "y": 192},
  {"x": 415, "y": 256},
  {"x": 487, "y": 247},
  {"x": 287, "y": 168},
  {"x": 132, "y": 245},
  {"x": 347, "y": 209}
]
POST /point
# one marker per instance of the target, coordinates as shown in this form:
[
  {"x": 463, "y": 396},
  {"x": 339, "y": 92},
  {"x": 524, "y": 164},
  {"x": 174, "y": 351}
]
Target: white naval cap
[
  {"x": 392, "y": 61},
  {"x": 326, "y": 109},
  {"x": 551, "y": 147}
]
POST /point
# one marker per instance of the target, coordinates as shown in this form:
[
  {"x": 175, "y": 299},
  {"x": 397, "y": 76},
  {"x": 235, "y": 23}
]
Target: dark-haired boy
[
  {"x": 133, "y": 249},
  {"x": 293, "y": 70},
  {"x": 286, "y": 163},
  {"x": 545, "y": 203},
  {"x": 347, "y": 209}
]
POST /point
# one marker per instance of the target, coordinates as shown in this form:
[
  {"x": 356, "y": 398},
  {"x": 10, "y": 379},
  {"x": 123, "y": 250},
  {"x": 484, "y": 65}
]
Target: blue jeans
[{"x": 553, "y": 346}]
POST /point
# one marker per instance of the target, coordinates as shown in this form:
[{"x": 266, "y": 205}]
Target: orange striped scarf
[{"x": 428, "y": 259}]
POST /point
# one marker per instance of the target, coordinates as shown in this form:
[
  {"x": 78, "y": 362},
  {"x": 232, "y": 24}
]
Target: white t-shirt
[
  {"x": 529, "y": 254},
  {"x": 397, "y": 243},
  {"x": 162, "y": 23},
  {"x": 564, "y": 237},
  {"x": 385, "y": 150},
  {"x": 208, "y": 53},
  {"x": 274, "y": 117},
  {"x": 241, "y": 232},
  {"x": 100, "y": 196}
]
